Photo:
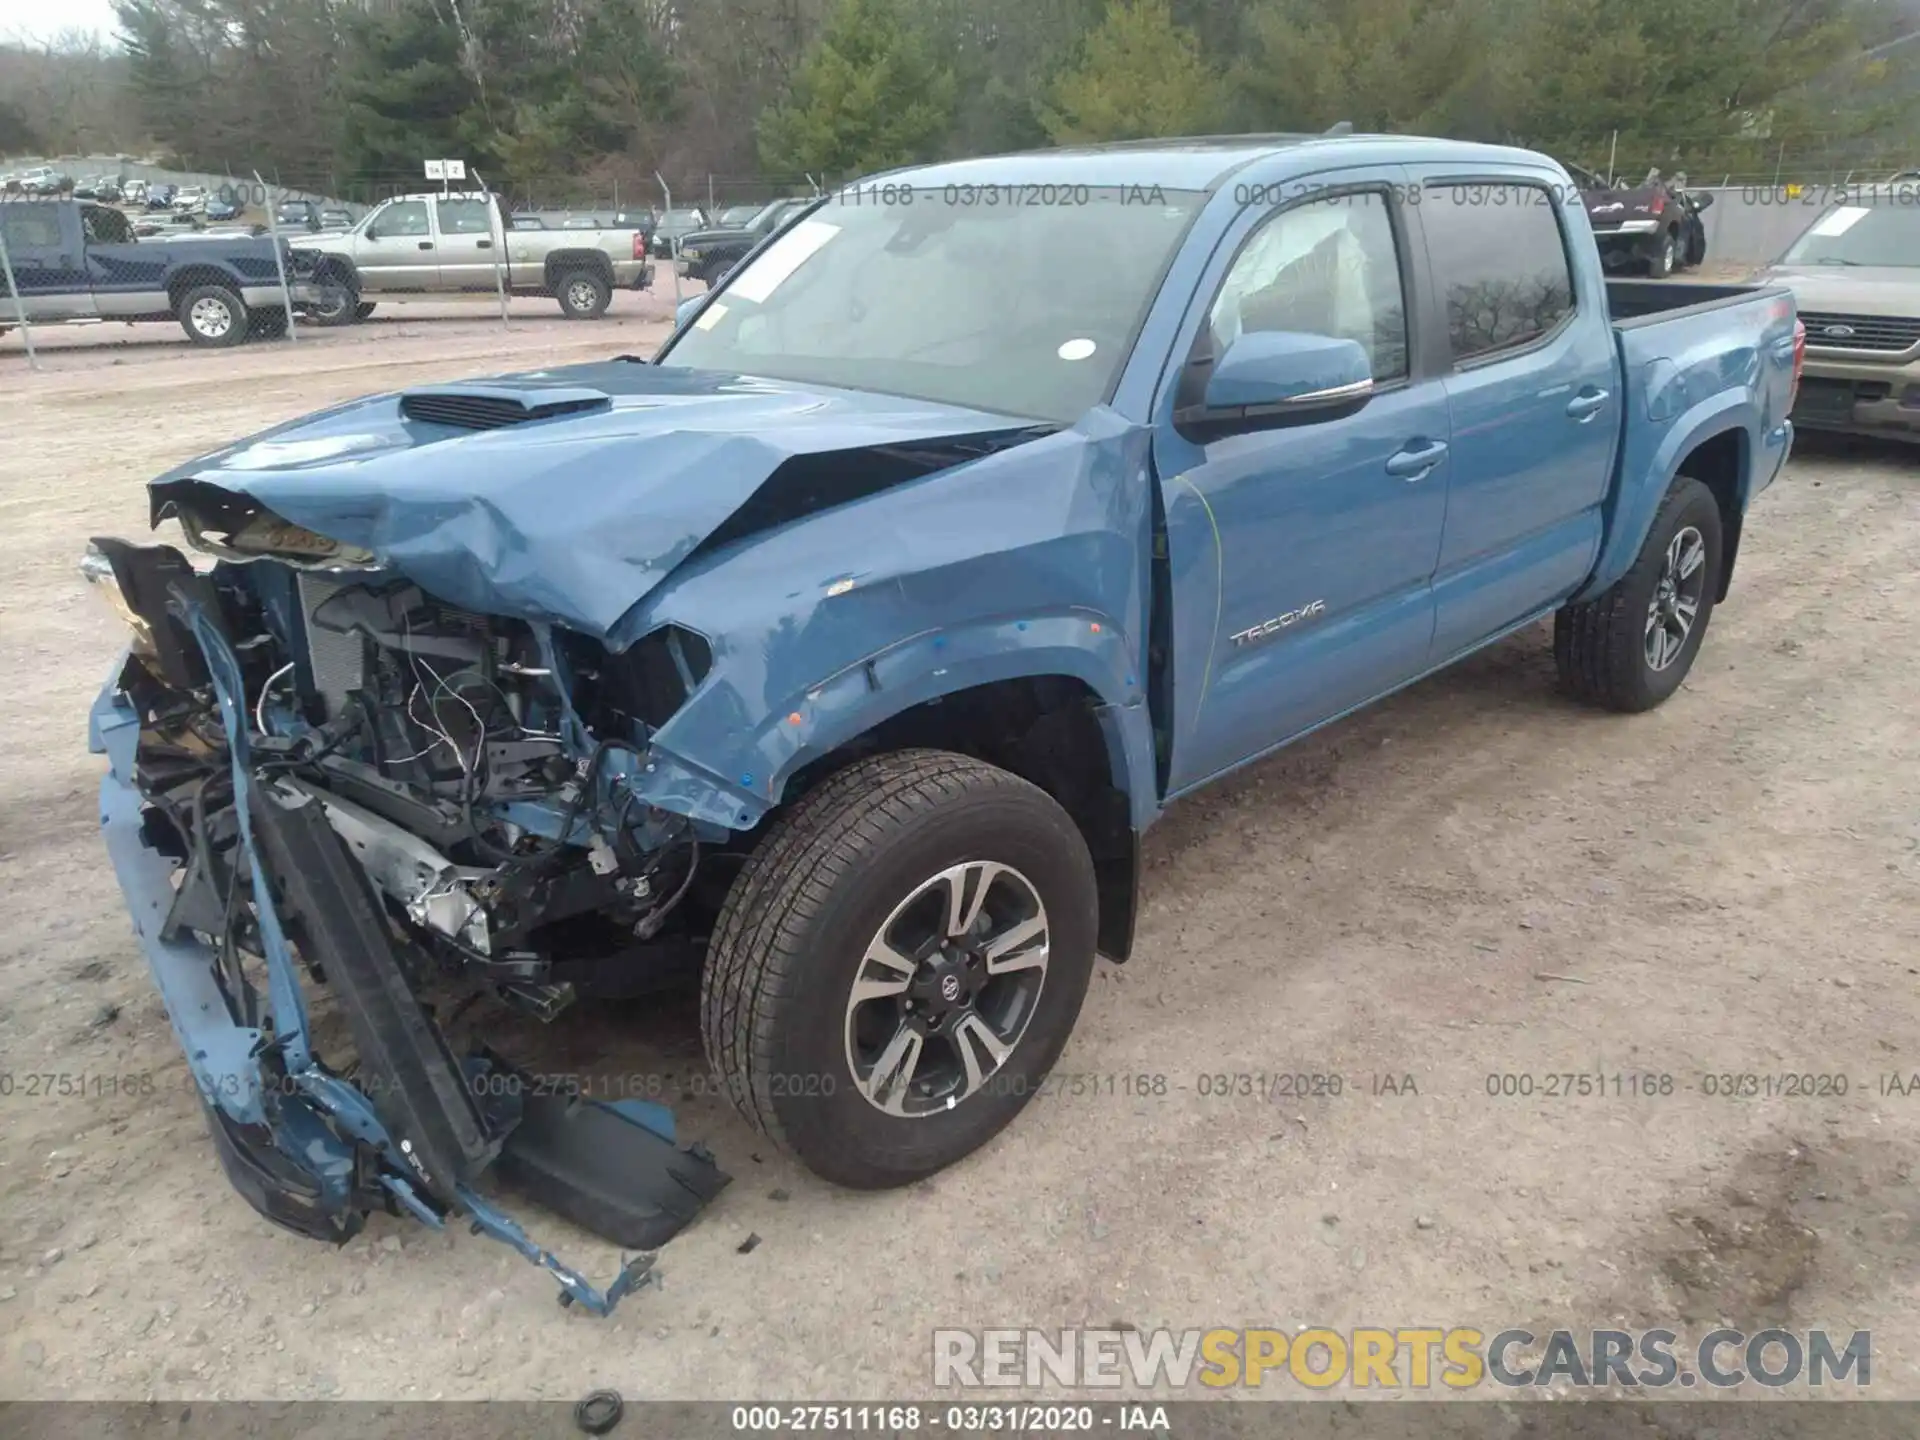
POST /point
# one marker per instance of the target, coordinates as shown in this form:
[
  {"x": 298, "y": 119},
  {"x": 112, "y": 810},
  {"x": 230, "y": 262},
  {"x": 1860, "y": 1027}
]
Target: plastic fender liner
[{"x": 406, "y": 1070}]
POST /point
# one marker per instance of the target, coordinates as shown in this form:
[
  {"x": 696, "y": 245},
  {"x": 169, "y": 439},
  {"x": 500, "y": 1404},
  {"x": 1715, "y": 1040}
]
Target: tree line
[{"x": 331, "y": 95}]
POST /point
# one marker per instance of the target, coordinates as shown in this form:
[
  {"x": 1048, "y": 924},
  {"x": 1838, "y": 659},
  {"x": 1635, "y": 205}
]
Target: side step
[{"x": 611, "y": 1168}]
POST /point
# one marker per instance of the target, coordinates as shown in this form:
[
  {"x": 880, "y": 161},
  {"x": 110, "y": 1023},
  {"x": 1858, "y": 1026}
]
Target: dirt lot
[{"x": 1474, "y": 879}]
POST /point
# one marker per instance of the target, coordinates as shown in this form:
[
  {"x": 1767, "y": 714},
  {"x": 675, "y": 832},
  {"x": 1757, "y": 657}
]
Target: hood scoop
[{"x": 492, "y": 407}]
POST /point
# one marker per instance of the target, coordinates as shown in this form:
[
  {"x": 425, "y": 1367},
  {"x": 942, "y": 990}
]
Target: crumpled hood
[{"x": 576, "y": 516}]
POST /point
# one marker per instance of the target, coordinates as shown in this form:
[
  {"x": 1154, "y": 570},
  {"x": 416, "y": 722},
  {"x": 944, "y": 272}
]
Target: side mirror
[
  {"x": 685, "y": 308},
  {"x": 1703, "y": 200},
  {"x": 1283, "y": 373},
  {"x": 370, "y": 233}
]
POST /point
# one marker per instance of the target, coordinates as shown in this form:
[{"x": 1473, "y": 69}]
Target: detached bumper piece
[{"x": 410, "y": 1132}]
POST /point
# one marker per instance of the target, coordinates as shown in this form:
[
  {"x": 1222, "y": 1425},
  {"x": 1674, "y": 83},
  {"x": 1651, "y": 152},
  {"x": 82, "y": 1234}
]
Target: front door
[
  {"x": 395, "y": 253},
  {"x": 1302, "y": 554}
]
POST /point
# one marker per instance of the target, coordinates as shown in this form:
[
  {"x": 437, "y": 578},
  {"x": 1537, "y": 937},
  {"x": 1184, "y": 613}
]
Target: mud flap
[{"x": 613, "y": 1169}]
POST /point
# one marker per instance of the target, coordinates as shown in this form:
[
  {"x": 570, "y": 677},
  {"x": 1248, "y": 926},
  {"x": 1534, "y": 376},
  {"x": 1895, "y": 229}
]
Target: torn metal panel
[{"x": 570, "y": 517}]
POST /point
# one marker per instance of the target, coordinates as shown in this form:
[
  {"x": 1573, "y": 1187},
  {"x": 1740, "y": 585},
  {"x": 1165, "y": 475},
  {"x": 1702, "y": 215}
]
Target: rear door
[
  {"x": 1532, "y": 390},
  {"x": 128, "y": 278},
  {"x": 465, "y": 241},
  {"x": 49, "y": 261},
  {"x": 1302, "y": 553},
  {"x": 396, "y": 251}
]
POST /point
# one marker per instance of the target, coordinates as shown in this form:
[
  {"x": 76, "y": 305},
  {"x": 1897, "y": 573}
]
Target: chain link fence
[{"x": 1766, "y": 191}]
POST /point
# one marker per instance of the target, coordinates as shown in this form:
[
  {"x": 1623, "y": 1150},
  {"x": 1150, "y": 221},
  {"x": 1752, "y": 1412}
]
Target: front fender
[
  {"x": 1652, "y": 456},
  {"x": 1030, "y": 562}
]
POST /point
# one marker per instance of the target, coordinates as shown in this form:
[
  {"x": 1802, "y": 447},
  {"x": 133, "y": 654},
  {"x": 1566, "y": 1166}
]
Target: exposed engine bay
[
  {"x": 448, "y": 753},
  {"x": 292, "y": 724}
]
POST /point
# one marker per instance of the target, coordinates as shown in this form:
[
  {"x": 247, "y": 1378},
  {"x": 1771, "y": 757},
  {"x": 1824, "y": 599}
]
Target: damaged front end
[{"x": 340, "y": 807}]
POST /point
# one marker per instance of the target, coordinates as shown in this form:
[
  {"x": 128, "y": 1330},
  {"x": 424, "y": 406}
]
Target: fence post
[
  {"x": 673, "y": 245},
  {"x": 1613, "y": 152},
  {"x": 496, "y": 214},
  {"x": 19, "y": 302},
  {"x": 279, "y": 255}
]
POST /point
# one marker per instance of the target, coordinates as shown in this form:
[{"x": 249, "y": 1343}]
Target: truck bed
[
  {"x": 1638, "y": 302},
  {"x": 1680, "y": 344}
]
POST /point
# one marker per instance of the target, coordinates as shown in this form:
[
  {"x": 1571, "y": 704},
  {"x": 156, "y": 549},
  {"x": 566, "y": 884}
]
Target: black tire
[
  {"x": 339, "y": 302},
  {"x": 1665, "y": 256},
  {"x": 1696, "y": 241},
  {"x": 1603, "y": 646},
  {"x": 363, "y": 309},
  {"x": 583, "y": 294},
  {"x": 822, "y": 885},
  {"x": 213, "y": 315}
]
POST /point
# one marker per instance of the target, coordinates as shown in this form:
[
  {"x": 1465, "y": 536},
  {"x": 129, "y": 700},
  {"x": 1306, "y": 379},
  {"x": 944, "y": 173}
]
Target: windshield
[
  {"x": 1882, "y": 234},
  {"x": 681, "y": 218},
  {"x": 1019, "y": 308}
]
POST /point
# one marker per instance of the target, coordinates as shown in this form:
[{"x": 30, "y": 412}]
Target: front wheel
[
  {"x": 1630, "y": 647},
  {"x": 584, "y": 295},
  {"x": 338, "y": 303},
  {"x": 899, "y": 964}
]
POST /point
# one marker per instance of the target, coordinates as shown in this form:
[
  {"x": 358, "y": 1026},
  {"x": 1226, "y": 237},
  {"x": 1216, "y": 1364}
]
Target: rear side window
[
  {"x": 31, "y": 227},
  {"x": 463, "y": 217},
  {"x": 1500, "y": 258}
]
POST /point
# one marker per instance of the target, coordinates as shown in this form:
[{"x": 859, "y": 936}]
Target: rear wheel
[
  {"x": 363, "y": 310},
  {"x": 213, "y": 315},
  {"x": 899, "y": 965},
  {"x": 1629, "y": 648},
  {"x": 583, "y": 295},
  {"x": 1666, "y": 254}
]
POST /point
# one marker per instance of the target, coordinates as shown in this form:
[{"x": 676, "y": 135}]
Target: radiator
[{"x": 338, "y": 663}]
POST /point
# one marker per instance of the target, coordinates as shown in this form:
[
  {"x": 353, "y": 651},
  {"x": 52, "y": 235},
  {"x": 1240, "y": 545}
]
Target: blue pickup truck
[
  {"x": 837, "y": 657},
  {"x": 77, "y": 261}
]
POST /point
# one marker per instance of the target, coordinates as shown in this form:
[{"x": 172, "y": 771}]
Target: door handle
[
  {"x": 1414, "y": 462},
  {"x": 1585, "y": 407},
  {"x": 426, "y": 244},
  {"x": 483, "y": 244}
]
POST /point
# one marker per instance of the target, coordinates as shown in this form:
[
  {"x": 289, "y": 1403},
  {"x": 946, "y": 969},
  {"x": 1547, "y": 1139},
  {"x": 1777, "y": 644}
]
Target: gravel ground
[{"x": 1473, "y": 879}]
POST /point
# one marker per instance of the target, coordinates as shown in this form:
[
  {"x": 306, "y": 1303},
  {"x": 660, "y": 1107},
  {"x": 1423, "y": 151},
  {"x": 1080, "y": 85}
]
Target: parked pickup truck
[
  {"x": 707, "y": 255},
  {"x": 78, "y": 261},
  {"x": 457, "y": 244},
  {"x": 1656, "y": 225},
  {"x": 842, "y": 653}
]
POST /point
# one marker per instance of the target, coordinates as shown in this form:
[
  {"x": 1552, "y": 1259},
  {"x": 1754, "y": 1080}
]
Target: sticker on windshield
[
  {"x": 710, "y": 317},
  {"x": 783, "y": 257},
  {"x": 1076, "y": 349},
  {"x": 1841, "y": 220}
]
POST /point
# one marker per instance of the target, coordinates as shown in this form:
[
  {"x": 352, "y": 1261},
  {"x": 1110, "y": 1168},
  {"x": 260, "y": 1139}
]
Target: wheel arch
[
  {"x": 193, "y": 276},
  {"x": 565, "y": 262},
  {"x": 1052, "y": 730},
  {"x": 1714, "y": 444}
]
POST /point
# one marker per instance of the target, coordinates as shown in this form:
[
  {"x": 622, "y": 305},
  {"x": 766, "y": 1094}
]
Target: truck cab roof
[{"x": 1200, "y": 162}]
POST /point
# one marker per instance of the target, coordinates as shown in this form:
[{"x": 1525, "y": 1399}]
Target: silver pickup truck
[{"x": 461, "y": 244}]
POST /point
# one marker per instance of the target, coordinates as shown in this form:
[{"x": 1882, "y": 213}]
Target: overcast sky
[{"x": 43, "y": 19}]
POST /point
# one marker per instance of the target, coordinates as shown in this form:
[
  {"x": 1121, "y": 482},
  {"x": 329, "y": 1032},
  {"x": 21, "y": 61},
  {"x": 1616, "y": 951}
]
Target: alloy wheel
[
  {"x": 1676, "y": 598},
  {"x": 946, "y": 989}
]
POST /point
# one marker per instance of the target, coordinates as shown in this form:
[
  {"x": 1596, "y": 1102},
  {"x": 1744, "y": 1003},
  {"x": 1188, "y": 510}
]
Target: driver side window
[
  {"x": 1330, "y": 267},
  {"x": 409, "y": 217}
]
